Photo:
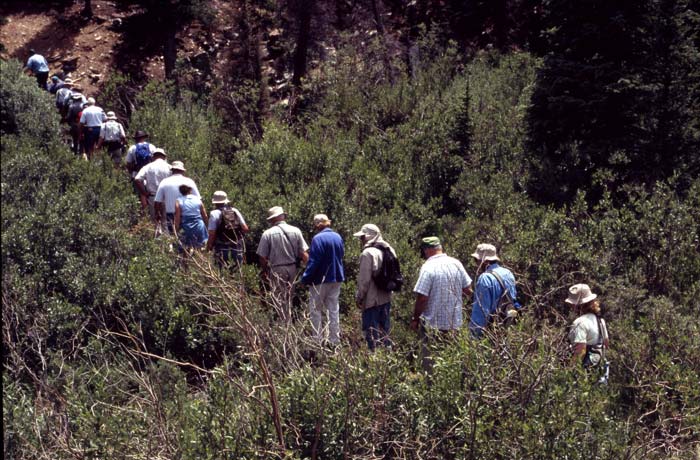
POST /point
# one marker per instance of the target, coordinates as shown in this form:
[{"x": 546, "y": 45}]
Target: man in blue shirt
[
  {"x": 39, "y": 67},
  {"x": 324, "y": 274},
  {"x": 493, "y": 283}
]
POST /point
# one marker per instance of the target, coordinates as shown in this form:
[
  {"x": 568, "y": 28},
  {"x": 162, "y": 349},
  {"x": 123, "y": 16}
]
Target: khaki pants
[
  {"x": 325, "y": 297},
  {"x": 282, "y": 286}
]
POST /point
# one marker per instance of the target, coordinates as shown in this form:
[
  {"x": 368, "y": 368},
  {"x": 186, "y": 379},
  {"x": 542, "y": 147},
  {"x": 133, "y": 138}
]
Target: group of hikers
[{"x": 174, "y": 205}]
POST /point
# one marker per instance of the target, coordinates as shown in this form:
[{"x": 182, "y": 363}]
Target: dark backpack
[
  {"x": 389, "y": 277},
  {"x": 142, "y": 155},
  {"x": 229, "y": 230}
]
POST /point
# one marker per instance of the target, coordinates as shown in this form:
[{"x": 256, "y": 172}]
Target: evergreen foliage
[{"x": 110, "y": 350}]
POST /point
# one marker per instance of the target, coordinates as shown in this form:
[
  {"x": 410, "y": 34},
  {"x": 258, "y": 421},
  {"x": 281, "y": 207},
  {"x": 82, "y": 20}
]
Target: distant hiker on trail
[
  {"x": 588, "y": 333},
  {"x": 281, "y": 251},
  {"x": 495, "y": 295},
  {"x": 147, "y": 181},
  {"x": 442, "y": 284},
  {"x": 373, "y": 294},
  {"x": 39, "y": 68},
  {"x": 324, "y": 274},
  {"x": 113, "y": 136},
  {"x": 63, "y": 98},
  {"x": 90, "y": 124},
  {"x": 169, "y": 191},
  {"x": 227, "y": 228},
  {"x": 56, "y": 84},
  {"x": 190, "y": 219},
  {"x": 145, "y": 150},
  {"x": 73, "y": 114}
]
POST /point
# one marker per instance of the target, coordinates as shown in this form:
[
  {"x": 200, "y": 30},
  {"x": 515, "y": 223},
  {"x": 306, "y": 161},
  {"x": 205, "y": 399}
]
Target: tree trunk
[
  {"x": 87, "y": 9},
  {"x": 303, "y": 41},
  {"x": 169, "y": 52}
]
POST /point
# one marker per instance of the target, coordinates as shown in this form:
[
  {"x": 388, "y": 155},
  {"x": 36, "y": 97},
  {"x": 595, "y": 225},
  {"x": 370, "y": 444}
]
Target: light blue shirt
[
  {"x": 37, "y": 63},
  {"x": 487, "y": 293}
]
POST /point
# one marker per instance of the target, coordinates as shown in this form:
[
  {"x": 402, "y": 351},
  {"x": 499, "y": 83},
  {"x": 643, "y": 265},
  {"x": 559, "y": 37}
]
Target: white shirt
[
  {"x": 153, "y": 174},
  {"x": 169, "y": 190},
  {"x": 92, "y": 116},
  {"x": 442, "y": 279},
  {"x": 585, "y": 330}
]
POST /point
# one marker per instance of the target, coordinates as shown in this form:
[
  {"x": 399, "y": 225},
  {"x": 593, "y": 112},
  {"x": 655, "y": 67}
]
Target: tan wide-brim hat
[
  {"x": 368, "y": 230},
  {"x": 486, "y": 252},
  {"x": 275, "y": 211},
  {"x": 177, "y": 165},
  {"x": 219, "y": 197},
  {"x": 580, "y": 294},
  {"x": 111, "y": 115}
]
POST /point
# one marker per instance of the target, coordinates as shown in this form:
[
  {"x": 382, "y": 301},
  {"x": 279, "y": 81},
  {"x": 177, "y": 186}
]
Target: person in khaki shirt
[{"x": 374, "y": 302}]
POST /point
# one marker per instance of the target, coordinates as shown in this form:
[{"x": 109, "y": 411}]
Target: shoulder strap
[
  {"x": 291, "y": 246},
  {"x": 502, "y": 283}
]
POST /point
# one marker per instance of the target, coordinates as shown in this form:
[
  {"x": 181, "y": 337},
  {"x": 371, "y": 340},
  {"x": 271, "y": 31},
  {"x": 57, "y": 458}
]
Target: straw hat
[
  {"x": 219, "y": 197},
  {"x": 111, "y": 115},
  {"x": 160, "y": 151},
  {"x": 580, "y": 294}
]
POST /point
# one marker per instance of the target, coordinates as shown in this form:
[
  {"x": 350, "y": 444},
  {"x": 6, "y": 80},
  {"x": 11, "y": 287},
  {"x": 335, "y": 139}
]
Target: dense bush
[{"x": 113, "y": 350}]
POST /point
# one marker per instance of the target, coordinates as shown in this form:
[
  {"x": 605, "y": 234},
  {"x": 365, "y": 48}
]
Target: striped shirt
[{"x": 442, "y": 279}]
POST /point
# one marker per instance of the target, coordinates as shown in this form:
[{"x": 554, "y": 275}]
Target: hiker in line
[
  {"x": 145, "y": 150},
  {"x": 56, "y": 84},
  {"x": 38, "y": 66},
  {"x": 113, "y": 136},
  {"x": 495, "y": 295},
  {"x": 90, "y": 124},
  {"x": 588, "y": 334},
  {"x": 63, "y": 98},
  {"x": 324, "y": 274},
  {"x": 374, "y": 301},
  {"x": 73, "y": 114},
  {"x": 281, "y": 251},
  {"x": 190, "y": 219},
  {"x": 442, "y": 284},
  {"x": 169, "y": 191},
  {"x": 227, "y": 228},
  {"x": 147, "y": 181}
]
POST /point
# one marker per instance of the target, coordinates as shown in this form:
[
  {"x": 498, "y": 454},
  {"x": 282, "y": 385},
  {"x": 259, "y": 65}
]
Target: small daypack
[
  {"x": 229, "y": 229},
  {"x": 63, "y": 98},
  {"x": 388, "y": 277},
  {"x": 142, "y": 155},
  {"x": 505, "y": 302}
]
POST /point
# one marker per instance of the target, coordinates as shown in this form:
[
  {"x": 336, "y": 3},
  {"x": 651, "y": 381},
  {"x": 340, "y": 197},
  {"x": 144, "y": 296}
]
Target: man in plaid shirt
[{"x": 441, "y": 284}]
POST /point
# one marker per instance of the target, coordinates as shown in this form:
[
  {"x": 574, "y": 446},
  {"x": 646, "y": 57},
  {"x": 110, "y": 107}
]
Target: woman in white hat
[{"x": 588, "y": 334}]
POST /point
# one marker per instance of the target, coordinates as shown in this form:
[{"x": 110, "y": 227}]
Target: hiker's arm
[
  {"x": 143, "y": 193},
  {"x": 578, "y": 354},
  {"x": 203, "y": 213},
  {"x": 177, "y": 216},
  {"x": 211, "y": 240},
  {"x": 158, "y": 210},
  {"x": 364, "y": 277},
  {"x": 468, "y": 291},
  {"x": 418, "y": 309}
]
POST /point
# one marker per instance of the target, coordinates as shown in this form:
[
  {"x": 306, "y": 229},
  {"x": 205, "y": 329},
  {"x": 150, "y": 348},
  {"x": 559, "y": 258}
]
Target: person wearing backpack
[
  {"x": 588, "y": 333},
  {"x": 112, "y": 135},
  {"x": 90, "y": 124},
  {"x": 63, "y": 98},
  {"x": 495, "y": 294},
  {"x": 139, "y": 154},
  {"x": 227, "y": 228},
  {"x": 379, "y": 275},
  {"x": 147, "y": 181},
  {"x": 73, "y": 114}
]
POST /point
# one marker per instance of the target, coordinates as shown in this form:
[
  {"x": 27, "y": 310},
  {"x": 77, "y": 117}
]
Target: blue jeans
[{"x": 376, "y": 322}]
